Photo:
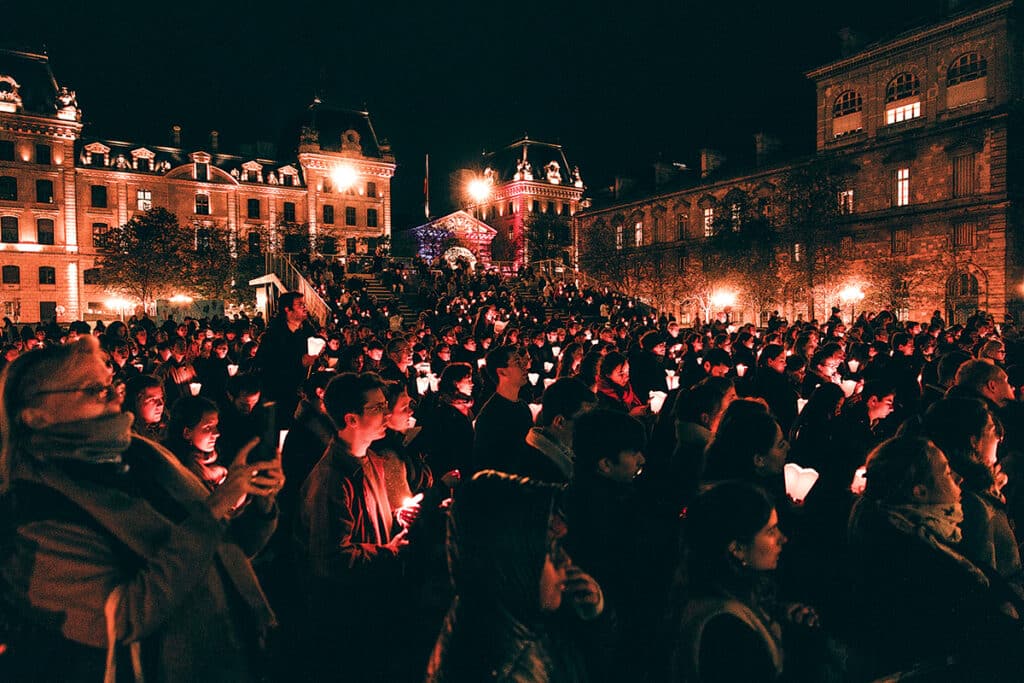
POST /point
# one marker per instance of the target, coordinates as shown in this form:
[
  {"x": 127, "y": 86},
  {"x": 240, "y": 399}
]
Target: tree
[
  {"x": 743, "y": 250},
  {"x": 811, "y": 212},
  {"x": 144, "y": 258},
  {"x": 548, "y": 236}
]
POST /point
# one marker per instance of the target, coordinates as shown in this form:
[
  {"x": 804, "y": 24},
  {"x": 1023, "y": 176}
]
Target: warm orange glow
[
  {"x": 344, "y": 177},
  {"x": 851, "y": 294},
  {"x": 723, "y": 299},
  {"x": 181, "y": 299},
  {"x": 479, "y": 190}
]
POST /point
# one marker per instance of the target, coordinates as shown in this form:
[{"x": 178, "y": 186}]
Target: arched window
[
  {"x": 962, "y": 284},
  {"x": 903, "y": 86},
  {"x": 968, "y": 67},
  {"x": 903, "y": 99},
  {"x": 849, "y": 102}
]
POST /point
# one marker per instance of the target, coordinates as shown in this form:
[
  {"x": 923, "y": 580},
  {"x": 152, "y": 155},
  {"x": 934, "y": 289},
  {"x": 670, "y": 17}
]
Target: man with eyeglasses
[
  {"x": 348, "y": 538},
  {"x": 501, "y": 426},
  {"x": 282, "y": 356}
]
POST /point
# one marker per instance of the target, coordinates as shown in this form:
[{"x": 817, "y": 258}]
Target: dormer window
[
  {"x": 142, "y": 159},
  {"x": 902, "y": 99},
  {"x": 202, "y": 172},
  {"x": 847, "y": 114},
  {"x": 97, "y": 154}
]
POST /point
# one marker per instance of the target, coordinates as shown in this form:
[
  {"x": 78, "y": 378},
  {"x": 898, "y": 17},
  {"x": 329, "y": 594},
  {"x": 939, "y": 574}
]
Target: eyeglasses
[
  {"x": 95, "y": 391},
  {"x": 375, "y": 409}
]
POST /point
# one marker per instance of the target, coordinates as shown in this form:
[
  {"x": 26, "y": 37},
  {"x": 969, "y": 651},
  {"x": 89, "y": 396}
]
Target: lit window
[
  {"x": 968, "y": 67},
  {"x": 903, "y": 99},
  {"x": 846, "y": 201},
  {"x": 734, "y": 216},
  {"x": 902, "y": 113},
  {"x": 202, "y": 205},
  {"x": 638, "y": 234},
  {"x": 44, "y": 231},
  {"x": 709, "y": 221},
  {"x": 963, "y": 175},
  {"x": 47, "y": 275},
  {"x": 902, "y": 187},
  {"x": 144, "y": 200},
  {"x": 99, "y": 234},
  {"x": 618, "y": 236},
  {"x": 798, "y": 252}
]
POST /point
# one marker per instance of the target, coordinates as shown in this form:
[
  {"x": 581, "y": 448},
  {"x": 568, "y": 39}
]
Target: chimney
[
  {"x": 667, "y": 172},
  {"x": 176, "y": 135},
  {"x": 214, "y": 141},
  {"x": 710, "y": 161},
  {"x": 765, "y": 147},
  {"x": 849, "y": 42}
]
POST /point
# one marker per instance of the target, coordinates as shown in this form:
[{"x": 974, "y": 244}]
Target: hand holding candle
[{"x": 409, "y": 511}]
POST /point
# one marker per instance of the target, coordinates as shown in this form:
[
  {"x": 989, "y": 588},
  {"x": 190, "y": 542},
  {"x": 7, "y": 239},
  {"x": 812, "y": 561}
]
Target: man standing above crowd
[{"x": 282, "y": 357}]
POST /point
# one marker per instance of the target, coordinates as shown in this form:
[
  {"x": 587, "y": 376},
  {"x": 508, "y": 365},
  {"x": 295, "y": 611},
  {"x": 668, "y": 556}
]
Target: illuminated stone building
[
  {"x": 59, "y": 192},
  {"x": 914, "y": 132},
  {"x": 528, "y": 193}
]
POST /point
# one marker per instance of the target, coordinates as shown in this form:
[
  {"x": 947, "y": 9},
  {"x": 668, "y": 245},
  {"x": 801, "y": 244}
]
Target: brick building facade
[
  {"x": 913, "y": 135},
  {"x": 60, "y": 192}
]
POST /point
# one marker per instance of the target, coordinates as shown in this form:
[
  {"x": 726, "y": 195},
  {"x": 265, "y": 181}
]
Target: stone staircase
[{"x": 381, "y": 292}]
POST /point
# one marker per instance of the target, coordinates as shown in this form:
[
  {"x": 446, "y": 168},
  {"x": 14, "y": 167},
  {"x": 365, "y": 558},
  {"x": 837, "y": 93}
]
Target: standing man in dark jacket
[
  {"x": 282, "y": 358},
  {"x": 504, "y": 420}
]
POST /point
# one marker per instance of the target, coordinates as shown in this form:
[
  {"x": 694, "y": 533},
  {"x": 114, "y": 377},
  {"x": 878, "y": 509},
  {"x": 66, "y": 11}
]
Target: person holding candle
[
  {"x": 614, "y": 391},
  {"x": 144, "y": 399},
  {"x": 282, "y": 356},
  {"x": 749, "y": 446}
]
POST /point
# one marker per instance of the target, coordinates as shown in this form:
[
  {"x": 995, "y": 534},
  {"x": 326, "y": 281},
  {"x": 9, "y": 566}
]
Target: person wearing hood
[
  {"x": 520, "y": 602},
  {"x": 549, "y": 455},
  {"x": 120, "y": 559}
]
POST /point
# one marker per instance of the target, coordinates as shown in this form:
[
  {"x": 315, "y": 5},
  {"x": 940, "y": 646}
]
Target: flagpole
[{"x": 426, "y": 187}]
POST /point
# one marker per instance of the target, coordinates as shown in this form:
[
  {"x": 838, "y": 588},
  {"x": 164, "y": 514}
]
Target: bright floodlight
[
  {"x": 344, "y": 177},
  {"x": 116, "y": 303},
  {"x": 723, "y": 299},
  {"x": 181, "y": 299},
  {"x": 851, "y": 294},
  {"x": 479, "y": 189}
]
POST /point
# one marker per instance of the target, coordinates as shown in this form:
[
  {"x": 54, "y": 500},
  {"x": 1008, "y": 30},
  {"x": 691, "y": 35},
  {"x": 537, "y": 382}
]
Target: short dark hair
[
  {"x": 498, "y": 358},
  {"x": 601, "y": 434},
  {"x": 565, "y": 397},
  {"x": 243, "y": 384},
  {"x": 288, "y": 299},
  {"x": 718, "y": 356},
  {"x": 705, "y": 396},
  {"x": 896, "y": 466},
  {"x": 346, "y": 394}
]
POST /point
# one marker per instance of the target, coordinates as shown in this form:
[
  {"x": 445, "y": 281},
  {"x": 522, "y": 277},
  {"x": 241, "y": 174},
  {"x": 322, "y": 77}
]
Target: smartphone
[{"x": 266, "y": 449}]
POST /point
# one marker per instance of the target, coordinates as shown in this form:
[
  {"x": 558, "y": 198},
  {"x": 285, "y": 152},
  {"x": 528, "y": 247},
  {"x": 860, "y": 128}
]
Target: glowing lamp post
[
  {"x": 724, "y": 300},
  {"x": 851, "y": 294},
  {"x": 344, "y": 177},
  {"x": 479, "y": 190}
]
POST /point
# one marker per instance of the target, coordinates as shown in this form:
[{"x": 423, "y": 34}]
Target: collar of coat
[{"x": 543, "y": 441}]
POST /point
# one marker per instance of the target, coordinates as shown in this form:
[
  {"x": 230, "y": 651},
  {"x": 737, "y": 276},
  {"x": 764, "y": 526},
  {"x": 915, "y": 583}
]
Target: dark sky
[{"x": 619, "y": 84}]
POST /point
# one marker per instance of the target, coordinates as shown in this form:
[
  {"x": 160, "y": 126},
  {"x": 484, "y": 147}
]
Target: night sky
[{"x": 619, "y": 85}]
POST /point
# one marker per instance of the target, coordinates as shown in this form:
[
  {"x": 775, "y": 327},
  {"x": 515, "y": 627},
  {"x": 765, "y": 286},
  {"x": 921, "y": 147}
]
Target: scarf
[
  {"x": 938, "y": 525},
  {"x": 560, "y": 456},
  {"x": 100, "y": 440},
  {"x": 623, "y": 395},
  {"x": 375, "y": 491}
]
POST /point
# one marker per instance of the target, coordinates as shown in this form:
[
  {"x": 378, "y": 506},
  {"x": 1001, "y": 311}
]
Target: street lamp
[
  {"x": 724, "y": 300},
  {"x": 344, "y": 177},
  {"x": 851, "y": 294},
  {"x": 479, "y": 190}
]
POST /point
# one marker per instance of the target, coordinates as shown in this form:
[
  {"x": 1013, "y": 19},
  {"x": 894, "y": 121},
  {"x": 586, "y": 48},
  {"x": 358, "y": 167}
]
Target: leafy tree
[
  {"x": 548, "y": 236},
  {"x": 145, "y": 257},
  {"x": 811, "y": 214}
]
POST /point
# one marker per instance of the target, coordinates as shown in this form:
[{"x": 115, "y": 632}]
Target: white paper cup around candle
[
  {"x": 194, "y": 388},
  {"x": 670, "y": 373},
  {"x": 594, "y": 341},
  {"x": 853, "y": 364},
  {"x": 548, "y": 366},
  {"x": 422, "y": 368},
  {"x": 480, "y": 363},
  {"x": 548, "y": 381},
  {"x": 499, "y": 326},
  {"x": 849, "y": 386},
  {"x": 700, "y": 360},
  {"x": 422, "y": 384},
  {"x": 800, "y": 403},
  {"x": 232, "y": 369},
  {"x": 673, "y": 383},
  {"x": 860, "y": 480},
  {"x": 535, "y": 410},
  {"x": 434, "y": 382},
  {"x": 314, "y": 345},
  {"x": 412, "y": 422},
  {"x": 799, "y": 481},
  {"x": 138, "y": 366},
  {"x": 281, "y": 436},
  {"x": 534, "y": 377},
  {"x": 557, "y": 350},
  {"x": 657, "y": 400},
  {"x": 741, "y": 369}
]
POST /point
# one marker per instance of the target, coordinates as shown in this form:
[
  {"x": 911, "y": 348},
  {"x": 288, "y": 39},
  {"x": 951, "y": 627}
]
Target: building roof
[
  {"x": 37, "y": 85},
  {"x": 507, "y": 162},
  {"x": 331, "y": 124}
]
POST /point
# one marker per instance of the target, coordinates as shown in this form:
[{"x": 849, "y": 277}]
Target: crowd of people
[{"x": 536, "y": 481}]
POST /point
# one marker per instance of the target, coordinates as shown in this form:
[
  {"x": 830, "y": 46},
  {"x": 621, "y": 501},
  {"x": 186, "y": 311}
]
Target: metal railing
[{"x": 281, "y": 265}]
